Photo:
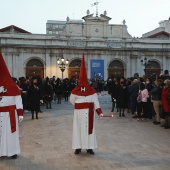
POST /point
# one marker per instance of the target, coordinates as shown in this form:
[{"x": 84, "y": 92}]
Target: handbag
[{"x": 139, "y": 98}]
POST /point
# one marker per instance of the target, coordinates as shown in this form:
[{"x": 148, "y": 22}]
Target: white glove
[
  {"x": 2, "y": 89},
  {"x": 101, "y": 115},
  {"x": 21, "y": 118}
]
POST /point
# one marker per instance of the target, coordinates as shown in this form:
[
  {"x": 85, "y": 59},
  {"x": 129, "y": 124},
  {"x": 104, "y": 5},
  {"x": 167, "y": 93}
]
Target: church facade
[{"x": 109, "y": 50}]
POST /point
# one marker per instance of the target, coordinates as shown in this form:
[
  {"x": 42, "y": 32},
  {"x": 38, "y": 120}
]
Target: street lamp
[
  {"x": 145, "y": 62},
  {"x": 62, "y": 63}
]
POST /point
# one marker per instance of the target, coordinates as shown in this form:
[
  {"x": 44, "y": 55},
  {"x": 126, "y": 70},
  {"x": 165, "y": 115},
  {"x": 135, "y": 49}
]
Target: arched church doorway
[
  {"x": 152, "y": 68},
  {"x": 74, "y": 69},
  {"x": 35, "y": 67},
  {"x": 116, "y": 69}
]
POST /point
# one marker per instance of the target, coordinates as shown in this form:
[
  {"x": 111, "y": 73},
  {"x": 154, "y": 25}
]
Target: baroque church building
[{"x": 109, "y": 49}]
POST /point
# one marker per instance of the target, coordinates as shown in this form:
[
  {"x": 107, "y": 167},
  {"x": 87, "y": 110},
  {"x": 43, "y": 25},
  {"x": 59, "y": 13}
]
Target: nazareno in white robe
[
  {"x": 9, "y": 142},
  {"x": 81, "y": 137}
]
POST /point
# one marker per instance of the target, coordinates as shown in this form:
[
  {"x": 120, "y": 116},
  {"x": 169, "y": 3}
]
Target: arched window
[
  {"x": 34, "y": 63},
  {"x": 35, "y": 67},
  {"x": 153, "y": 65},
  {"x": 116, "y": 64},
  {"x": 75, "y": 63},
  {"x": 116, "y": 69},
  {"x": 74, "y": 68},
  {"x": 153, "y": 68}
]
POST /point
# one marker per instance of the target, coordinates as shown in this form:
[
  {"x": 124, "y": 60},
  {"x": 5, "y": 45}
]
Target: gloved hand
[
  {"x": 101, "y": 115},
  {"x": 2, "y": 89},
  {"x": 21, "y": 118}
]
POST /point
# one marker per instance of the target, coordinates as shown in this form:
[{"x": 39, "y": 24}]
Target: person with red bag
[{"x": 166, "y": 102}]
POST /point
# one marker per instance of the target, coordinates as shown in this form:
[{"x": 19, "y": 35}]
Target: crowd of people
[
  {"x": 36, "y": 91},
  {"x": 144, "y": 97}
]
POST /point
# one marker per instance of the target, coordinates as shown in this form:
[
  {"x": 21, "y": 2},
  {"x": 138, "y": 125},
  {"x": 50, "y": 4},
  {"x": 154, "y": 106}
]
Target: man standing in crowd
[
  {"x": 85, "y": 101},
  {"x": 10, "y": 109},
  {"x": 35, "y": 97}
]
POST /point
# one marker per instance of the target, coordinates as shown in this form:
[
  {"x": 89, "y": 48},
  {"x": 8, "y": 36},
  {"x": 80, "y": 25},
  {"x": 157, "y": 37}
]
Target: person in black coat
[
  {"x": 66, "y": 89},
  {"x": 35, "y": 98},
  {"x": 24, "y": 94},
  {"x": 58, "y": 90},
  {"x": 121, "y": 97},
  {"x": 149, "y": 87},
  {"x": 133, "y": 96},
  {"x": 48, "y": 92},
  {"x": 112, "y": 91},
  {"x": 72, "y": 85}
]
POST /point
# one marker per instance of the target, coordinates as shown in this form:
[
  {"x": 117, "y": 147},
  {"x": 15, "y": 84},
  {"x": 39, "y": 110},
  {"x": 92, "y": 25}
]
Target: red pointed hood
[
  {"x": 83, "y": 82},
  {"x": 6, "y": 80}
]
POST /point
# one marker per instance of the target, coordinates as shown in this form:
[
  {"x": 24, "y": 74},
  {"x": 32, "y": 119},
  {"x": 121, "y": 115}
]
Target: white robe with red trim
[
  {"x": 9, "y": 142},
  {"x": 81, "y": 137}
]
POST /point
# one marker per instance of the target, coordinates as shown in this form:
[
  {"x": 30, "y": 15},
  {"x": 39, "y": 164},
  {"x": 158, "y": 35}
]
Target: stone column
[
  {"x": 9, "y": 61},
  {"x": 48, "y": 65},
  {"x": 128, "y": 66},
  {"x": 14, "y": 66},
  {"x": 20, "y": 66},
  {"x": 164, "y": 63},
  {"x": 53, "y": 65}
]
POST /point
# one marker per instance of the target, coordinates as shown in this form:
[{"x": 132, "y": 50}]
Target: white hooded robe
[
  {"x": 9, "y": 142},
  {"x": 81, "y": 137}
]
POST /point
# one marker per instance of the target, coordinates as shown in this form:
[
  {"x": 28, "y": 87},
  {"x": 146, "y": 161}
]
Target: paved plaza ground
[{"x": 123, "y": 143}]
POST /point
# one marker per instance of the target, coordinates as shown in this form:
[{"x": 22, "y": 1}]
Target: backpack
[{"x": 139, "y": 98}]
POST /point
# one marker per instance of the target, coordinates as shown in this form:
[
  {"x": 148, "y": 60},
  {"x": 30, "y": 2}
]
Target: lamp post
[
  {"x": 145, "y": 62},
  {"x": 62, "y": 63}
]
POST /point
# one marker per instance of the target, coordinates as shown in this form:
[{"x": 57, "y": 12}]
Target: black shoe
[
  {"x": 40, "y": 111},
  {"x": 90, "y": 151},
  {"x": 123, "y": 115},
  {"x": 14, "y": 157},
  {"x": 135, "y": 116},
  {"x": 77, "y": 151},
  {"x": 166, "y": 127},
  {"x": 157, "y": 123}
]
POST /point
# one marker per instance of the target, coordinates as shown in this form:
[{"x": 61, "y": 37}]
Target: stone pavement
[{"x": 123, "y": 143}]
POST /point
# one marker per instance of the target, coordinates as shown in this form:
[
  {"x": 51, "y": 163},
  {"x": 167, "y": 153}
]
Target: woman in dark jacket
[
  {"x": 149, "y": 87},
  {"x": 121, "y": 97},
  {"x": 156, "y": 98},
  {"x": 166, "y": 102},
  {"x": 35, "y": 98},
  {"x": 112, "y": 91},
  {"x": 58, "y": 90},
  {"x": 66, "y": 89},
  {"x": 48, "y": 92},
  {"x": 24, "y": 94}
]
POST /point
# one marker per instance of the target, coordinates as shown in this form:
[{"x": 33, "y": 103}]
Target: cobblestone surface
[{"x": 123, "y": 143}]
